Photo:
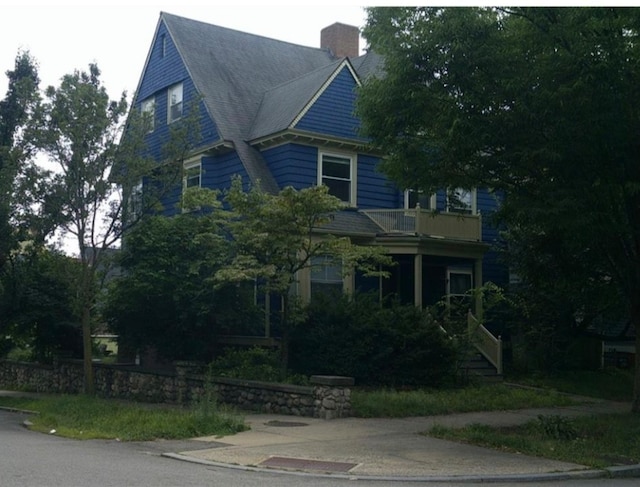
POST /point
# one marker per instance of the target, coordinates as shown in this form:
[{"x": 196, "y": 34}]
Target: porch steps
[{"x": 478, "y": 367}]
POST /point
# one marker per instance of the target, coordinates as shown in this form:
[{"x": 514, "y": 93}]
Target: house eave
[
  {"x": 307, "y": 138},
  {"x": 432, "y": 245}
]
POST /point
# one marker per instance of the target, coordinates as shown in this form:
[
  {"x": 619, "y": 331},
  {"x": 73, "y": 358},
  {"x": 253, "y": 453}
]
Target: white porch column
[{"x": 417, "y": 280}]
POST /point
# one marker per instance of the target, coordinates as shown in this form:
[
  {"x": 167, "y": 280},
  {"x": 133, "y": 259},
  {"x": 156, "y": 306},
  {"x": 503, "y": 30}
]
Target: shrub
[
  {"x": 254, "y": 363},
  {"x": 395, "y": 345}
]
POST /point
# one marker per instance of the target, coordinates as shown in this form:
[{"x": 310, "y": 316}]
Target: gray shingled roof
[
  {"x": 350, "y": 221},
  {"x": 236, "y": 73}
]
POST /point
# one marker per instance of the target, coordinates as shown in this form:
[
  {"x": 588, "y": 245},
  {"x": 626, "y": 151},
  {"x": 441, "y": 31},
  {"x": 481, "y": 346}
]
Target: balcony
[{"x": 415, "y": 221}]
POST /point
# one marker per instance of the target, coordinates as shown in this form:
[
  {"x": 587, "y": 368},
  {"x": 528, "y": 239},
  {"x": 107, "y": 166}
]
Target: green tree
[
  {"x": 36, "y": 303},
  {"x": 541, "y": 104},
  {"x": 163, "y": 301},
  {"x": 79, "y": 130},
  {"x": 18, "y": 174},
  {"x": 275, "y": 236}
]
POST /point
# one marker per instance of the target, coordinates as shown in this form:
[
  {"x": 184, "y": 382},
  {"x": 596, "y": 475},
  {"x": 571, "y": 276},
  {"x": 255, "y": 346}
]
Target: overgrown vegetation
[
  {"x": 84, "y": 417},
  {"x": 611, "y": 384},
  {"x": 394, "y": 345},
  {"x": 596, "y": 441},
  {"x": 424, "y": 402},
  {"x": 255, "y": 363}
]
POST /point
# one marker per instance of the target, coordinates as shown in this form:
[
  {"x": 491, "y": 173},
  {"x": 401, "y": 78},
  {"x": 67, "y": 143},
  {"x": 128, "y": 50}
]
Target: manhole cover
[
  {"x": 304, "y": 464},
  {"x": 284, "y": 424}
]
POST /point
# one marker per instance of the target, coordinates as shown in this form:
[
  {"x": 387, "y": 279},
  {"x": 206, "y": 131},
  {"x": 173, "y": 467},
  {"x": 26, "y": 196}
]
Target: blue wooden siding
[
  {"x": 163, "y": 71},
  {"x": 374, "y": 189},
  {"x": 332, "y": 113},
  {"x": 297, "y": 166},
  {"x": 293, "y": 165},
  {"x": 218, "y": 171}
]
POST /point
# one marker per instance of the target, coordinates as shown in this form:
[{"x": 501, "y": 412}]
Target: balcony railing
[{"x": 426, "y": 222}]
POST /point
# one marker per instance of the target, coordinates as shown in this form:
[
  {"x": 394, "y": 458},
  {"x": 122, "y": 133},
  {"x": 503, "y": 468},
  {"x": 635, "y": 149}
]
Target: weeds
[
  {"x": 422, "y": 402},
  {"x": 84, "y": 417}
]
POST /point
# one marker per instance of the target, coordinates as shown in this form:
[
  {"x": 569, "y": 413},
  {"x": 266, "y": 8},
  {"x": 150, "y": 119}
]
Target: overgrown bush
[
  {"x": 254, "y": 363},
  {"x": 395, "y": 345}
]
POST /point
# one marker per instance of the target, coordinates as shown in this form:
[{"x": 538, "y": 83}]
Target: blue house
[{"x": 280, "y": 114}]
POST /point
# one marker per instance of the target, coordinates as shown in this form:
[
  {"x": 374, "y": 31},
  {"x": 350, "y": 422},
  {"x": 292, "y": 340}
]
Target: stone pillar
[
  {"x": 332, "y": 396},
  {"x": 182, "y": 369}
]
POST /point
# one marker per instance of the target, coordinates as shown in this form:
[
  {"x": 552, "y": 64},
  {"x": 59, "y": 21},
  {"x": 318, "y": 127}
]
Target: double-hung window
[
  {"x": 175, "y": 103},
  {"x": 460, "y": 200},
  {"x": 148, "y": 109},
  {"x": 326, "y": 276},
  {"x": 459, "y": 285},
  {"x": 337, "y": 172},
  {"x": 192, "y": 175}
]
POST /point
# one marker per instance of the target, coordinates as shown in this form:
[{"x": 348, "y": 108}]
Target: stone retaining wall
[{"x": 329, "y": 397}]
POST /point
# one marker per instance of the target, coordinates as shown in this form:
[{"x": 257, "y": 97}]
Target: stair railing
[{"x": 488, "y": 345}]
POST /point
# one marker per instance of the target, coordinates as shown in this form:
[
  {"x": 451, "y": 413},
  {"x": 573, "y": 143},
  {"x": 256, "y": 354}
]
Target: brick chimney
[{"x": 341, "y": 39}]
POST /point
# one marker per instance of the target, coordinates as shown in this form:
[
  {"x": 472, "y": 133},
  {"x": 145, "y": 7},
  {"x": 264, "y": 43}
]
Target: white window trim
[
  {"x": 474, "y": 201},
  {"x": 456, "y": 270},
  {"x": 175, "y": 88},
  {"x": 432, "y": 200},
  {"x": 353, "y": 171},
  {"x": 191, "y": 165}
]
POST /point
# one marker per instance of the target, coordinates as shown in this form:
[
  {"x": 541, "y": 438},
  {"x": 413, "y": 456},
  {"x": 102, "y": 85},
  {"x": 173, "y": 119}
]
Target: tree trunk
[{"x": 89, "y": 386}]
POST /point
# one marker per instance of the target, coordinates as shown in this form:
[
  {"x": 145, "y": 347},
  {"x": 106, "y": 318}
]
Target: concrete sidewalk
[{"x": 391, "y": 449}]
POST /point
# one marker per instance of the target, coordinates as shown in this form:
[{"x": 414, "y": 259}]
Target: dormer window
[
  {"x": 338, "y": 173},
  {"x": 175, "y": 103}
]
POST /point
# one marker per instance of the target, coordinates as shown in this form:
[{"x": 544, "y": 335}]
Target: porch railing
[
  {"x": 487, "y": 344},
  {"x": 426, "y": 222}
]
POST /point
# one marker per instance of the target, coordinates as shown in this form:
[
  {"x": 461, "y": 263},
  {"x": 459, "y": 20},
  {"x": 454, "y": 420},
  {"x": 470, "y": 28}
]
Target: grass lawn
[
  {"x": 494, "y": 397},
  {"x": 596, "y": 441},
  {"x": 611, "y": 384},
  {"x": 84, "y": 417}
]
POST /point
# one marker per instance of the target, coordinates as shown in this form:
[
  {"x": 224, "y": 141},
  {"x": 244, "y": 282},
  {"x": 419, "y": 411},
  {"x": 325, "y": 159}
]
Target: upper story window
[
  {"x": 163, "y": 45},
  {"x": 460, "y": 200},
  {"x": 175, "y": 103},
  {"x": 148, "y": 109},
  {"x": 134, "y": 202},
  {"x": 413, "y": 198},
  {"x": 192, "y": 175},
  {"x": 338, "y": 173}
]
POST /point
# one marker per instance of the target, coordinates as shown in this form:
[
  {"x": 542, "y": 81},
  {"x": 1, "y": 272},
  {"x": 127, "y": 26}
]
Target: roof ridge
[{"x": 249, "y": 34}]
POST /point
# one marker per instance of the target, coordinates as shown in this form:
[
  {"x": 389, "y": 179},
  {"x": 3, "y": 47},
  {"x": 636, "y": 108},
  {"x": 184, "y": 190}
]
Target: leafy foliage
[
  {"x": 540, "y": 104},
  {"x": 275, "y": 236},
  {"x": 37, "y": 304},
  {"x": 19, "y": 189},
  {"x": 394, "y": 346},
  {"x": 165, "y": 299}
]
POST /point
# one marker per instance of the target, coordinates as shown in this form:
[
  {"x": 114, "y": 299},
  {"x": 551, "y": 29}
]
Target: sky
[{"x": 67, "y": 36}]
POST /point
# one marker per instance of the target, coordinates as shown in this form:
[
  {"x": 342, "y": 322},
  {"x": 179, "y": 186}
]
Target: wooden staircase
[{"x": 486, "y": 363}]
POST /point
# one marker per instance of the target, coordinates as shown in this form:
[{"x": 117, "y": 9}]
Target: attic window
[
  {"x": 175, "y": 103},
  {"x": 163, "y": 45}
]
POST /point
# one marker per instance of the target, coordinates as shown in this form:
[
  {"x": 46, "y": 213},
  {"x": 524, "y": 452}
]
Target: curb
[{"x": 630, "y": 471}]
